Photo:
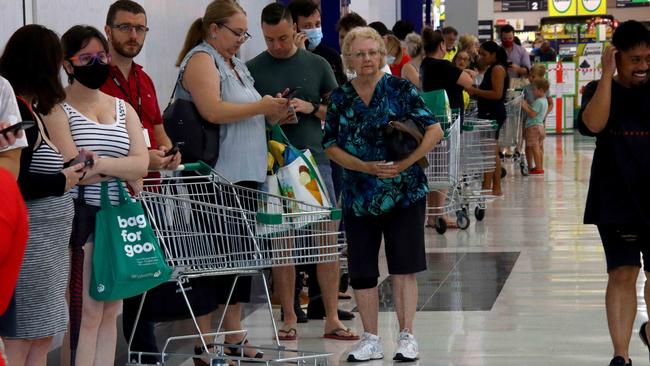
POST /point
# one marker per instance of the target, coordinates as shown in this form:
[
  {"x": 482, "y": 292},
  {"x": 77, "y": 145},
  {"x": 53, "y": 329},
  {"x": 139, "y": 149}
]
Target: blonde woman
[
  {"x": 411, "y": 70},
  {"x": 222, "y": 88},
  {"x": 380, "y": 198},
  {"x": 469, "y": 43}
]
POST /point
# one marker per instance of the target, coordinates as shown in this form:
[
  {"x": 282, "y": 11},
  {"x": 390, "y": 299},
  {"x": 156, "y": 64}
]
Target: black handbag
[
  {"x": 402, "y": 138},
  {"x": 184, "y": 124}
]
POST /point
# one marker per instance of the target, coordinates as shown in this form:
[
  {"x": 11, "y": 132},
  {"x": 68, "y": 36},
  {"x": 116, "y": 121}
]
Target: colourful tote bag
[
  {"x": 298, "y": 175},
  {"x": 127, "y": 259}
]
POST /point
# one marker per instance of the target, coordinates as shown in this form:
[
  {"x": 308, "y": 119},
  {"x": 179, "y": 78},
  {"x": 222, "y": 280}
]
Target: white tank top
[{"x": 106, "y": 140}]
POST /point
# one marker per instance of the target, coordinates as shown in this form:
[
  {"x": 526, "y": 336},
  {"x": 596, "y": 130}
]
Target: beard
[{"x": 122, "y": 50}]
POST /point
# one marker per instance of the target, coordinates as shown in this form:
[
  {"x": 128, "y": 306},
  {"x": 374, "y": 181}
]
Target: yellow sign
[
  {"x": 592, "y": 7},
  {"x": 561, "y": 8}
]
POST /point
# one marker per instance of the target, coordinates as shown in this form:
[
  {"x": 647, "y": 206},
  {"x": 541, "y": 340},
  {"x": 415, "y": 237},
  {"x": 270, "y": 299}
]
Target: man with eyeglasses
[
  {"x": 283, "y": 65},
  {"x": 126, "y": 29}
]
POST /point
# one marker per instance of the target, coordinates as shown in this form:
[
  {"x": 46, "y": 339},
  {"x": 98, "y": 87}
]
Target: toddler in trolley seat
[{"x": 534, "y": 128}]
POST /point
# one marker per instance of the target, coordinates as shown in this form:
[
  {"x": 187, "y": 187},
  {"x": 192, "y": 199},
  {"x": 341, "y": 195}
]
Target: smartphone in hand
[
  {"x": 18, "y": 126},
  {"x": 290, "y": 93},
  {"x": 176, "y": 148},
  {"x": 84, "y": 156}
]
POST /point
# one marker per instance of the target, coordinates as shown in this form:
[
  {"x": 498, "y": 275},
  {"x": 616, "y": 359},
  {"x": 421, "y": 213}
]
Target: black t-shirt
[
  {"x": 442, "y": 74},
  {"x": 334, "y": 59},
  {"x": 620, "y": 170}
]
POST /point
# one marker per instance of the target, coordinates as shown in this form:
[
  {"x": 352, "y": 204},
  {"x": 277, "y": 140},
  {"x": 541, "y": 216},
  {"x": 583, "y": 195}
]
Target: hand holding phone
[
  {"x": 176, "y": 148},
  {"x": 86, "y": 157},
  {"x": 290, "y": 93},
  {"x": 18, "y": 126}
]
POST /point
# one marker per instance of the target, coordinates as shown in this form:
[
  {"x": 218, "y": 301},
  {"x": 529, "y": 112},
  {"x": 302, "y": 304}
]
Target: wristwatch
[{"x": 316, "y": 108}]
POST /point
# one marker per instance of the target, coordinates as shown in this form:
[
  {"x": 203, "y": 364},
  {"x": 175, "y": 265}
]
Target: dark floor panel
[{"x": 458, "y": 281}]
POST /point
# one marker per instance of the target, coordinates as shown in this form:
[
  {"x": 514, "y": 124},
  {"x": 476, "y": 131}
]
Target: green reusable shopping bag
[
  {"x": 127, "y": 259},
  {"x": 437, "y": 102}
]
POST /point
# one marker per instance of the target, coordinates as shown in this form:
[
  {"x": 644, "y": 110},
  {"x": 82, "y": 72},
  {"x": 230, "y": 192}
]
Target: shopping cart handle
[
  {"x": 267, "y": 218},
  {"x": 199, "y": 166}
]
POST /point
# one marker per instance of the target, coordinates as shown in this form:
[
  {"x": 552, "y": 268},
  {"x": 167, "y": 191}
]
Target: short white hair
[{"x": 362, "y": 33}]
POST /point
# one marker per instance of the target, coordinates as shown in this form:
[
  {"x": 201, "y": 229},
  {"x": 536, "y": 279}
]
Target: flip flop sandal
[
  {"x": 289, "y": 335},
  {"x": 237, "y": 351},
  {"x": 335, "y": 334}
]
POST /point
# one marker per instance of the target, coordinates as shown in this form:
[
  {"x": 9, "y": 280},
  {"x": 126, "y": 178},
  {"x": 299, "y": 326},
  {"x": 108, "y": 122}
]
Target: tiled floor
[{"x": 523, "y": 287}]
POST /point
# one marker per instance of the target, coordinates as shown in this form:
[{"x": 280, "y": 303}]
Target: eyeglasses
[
  {"x": 87, "y": 59},
  {"x": 361, "y": 54},
  {"x": 126, "y": 28},
  {"x": 244, "y": 36}
]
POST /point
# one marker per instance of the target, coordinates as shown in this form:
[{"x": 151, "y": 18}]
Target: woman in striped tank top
[
  {"x": 31, "y": 63},
  {"x": 94, "y": 121}
]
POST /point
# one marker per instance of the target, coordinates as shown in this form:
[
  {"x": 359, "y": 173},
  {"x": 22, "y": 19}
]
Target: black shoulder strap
[{"x": 181, "y": 71}]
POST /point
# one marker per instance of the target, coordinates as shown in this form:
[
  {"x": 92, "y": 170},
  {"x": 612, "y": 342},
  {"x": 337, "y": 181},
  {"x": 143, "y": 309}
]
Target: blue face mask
[{"x": 314, "y": 36}]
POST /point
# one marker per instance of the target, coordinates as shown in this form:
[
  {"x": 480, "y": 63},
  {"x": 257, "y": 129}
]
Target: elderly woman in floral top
[{"x": 380, "y": 197}]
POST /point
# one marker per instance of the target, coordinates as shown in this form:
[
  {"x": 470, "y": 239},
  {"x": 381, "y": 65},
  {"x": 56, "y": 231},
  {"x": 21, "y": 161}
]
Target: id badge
[{"x": 147, "y": 141}]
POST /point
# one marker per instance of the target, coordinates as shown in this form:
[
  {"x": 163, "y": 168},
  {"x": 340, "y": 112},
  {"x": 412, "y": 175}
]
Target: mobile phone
[
  {"x": 18, "y": 126},
  {"x": 176, "y": 148},
  {"x": 290, "y": 93},
  {"x": 388, "y": 163},
  {"x": 85, "y": 157}
]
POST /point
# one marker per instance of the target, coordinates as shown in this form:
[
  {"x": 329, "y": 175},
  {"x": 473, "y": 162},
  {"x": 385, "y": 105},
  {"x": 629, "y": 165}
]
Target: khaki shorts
[{"x": 534, "y": 136}]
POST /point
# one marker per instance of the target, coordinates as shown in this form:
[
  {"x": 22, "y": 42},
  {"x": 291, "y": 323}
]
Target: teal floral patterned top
[{"x": 359, "y": 130}]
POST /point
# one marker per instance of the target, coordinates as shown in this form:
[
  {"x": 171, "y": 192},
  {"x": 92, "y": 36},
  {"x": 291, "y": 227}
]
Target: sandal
[
  {"x": 290, "y": 334},
  {"x": 336, "y": 334},
  {"x": 241, "y": 350},
  {"x": 200, "y": 350}
]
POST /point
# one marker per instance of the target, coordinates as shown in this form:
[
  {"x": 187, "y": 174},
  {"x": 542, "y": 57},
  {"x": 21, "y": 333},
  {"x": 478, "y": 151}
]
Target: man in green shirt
[{"x": 282, "y": 67}]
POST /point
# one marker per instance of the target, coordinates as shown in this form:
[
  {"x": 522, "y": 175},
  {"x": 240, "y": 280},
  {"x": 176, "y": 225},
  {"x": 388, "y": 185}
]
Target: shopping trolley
[
  {"x": 512, "y": 131},
  {"x": 477, "y": 152},
  {"x": 208, "y": 226},
  {"x": 443, "y": 172}
]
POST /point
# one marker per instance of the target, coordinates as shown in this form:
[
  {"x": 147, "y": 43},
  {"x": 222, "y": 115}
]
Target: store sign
[
  {"x": 523, "y": 5},
  {"x": 592, "y": 7},
  {"x": 562, "y": 7}
]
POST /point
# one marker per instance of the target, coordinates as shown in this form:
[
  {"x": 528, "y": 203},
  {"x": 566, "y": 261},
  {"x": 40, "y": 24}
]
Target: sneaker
[
  {"x": 368, "y": 348},
  {"x": 536, "y": 171},
  {"x": 619, "y": 361},
  {"x": 407, "y": 347}
]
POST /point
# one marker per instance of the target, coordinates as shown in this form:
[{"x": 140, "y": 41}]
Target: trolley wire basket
[
  {"x": 478, "y": 146},
  {"x": 444, "y": 169},
  {"x": 512, "y": 132},
  {"x": 208, "y": 226},
  {"x": 478, "y": 156}
]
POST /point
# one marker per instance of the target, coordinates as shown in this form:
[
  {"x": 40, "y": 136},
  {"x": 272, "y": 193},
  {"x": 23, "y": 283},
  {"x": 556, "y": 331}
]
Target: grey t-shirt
[{"x": 313, "y": 76}]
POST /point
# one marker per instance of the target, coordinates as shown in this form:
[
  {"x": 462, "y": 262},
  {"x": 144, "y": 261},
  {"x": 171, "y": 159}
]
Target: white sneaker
[
  {"x": 407, "y": 347},
  {"x": 368, "y": 348}
]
